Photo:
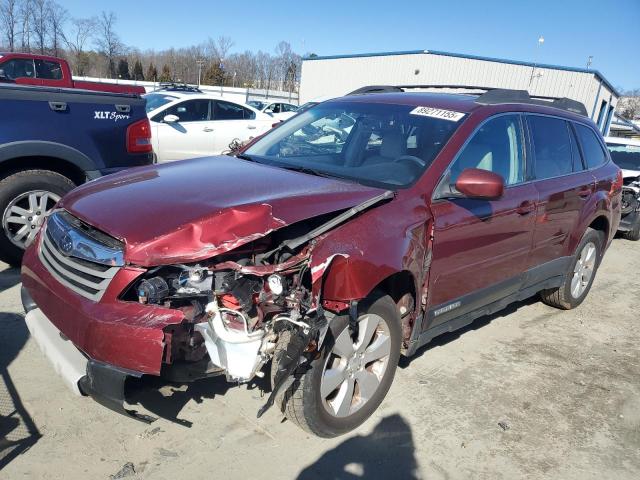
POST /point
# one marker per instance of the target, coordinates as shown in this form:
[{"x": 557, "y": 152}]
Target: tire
[
  {"x": 569, "y": 295},
  {"x": 17, "y": 187},
  {"x": 303, "y": 403},
  {"x": 634, "y": 233}
]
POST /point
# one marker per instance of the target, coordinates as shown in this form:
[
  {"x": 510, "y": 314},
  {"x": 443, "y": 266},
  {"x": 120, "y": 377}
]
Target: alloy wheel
[
  {"x": 25, "y": 214},
  {"x": 354, "y": 370},
  {"x": 583, "y": 270}
]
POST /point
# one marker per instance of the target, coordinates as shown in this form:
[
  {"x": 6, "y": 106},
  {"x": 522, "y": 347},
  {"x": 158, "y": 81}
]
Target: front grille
[{"x": 85, "y": 277}]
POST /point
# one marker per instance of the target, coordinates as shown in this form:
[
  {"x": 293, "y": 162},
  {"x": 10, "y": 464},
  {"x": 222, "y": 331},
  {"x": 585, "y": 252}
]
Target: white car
[
  {"x": 278, "y": 110},
  {"x": 188, "y": 124}
]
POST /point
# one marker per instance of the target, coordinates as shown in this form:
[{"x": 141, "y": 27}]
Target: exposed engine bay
[{"x": 630, "y": 194}]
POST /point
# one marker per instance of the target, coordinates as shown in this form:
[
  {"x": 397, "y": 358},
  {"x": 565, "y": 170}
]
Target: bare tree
[
  {"x": 629, "y": 105},
  {"x": 25, "y": 14},
  {"x": 9, "y": 21},
  {"x": 57, "y": 18},
  {"x": 39, "y": 14},
  {"x": 108, "y": 41},
  {"x": 76, "y": 39}
]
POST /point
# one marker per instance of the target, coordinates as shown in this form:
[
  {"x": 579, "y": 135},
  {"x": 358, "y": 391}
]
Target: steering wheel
[{"x": 421, "y": 163}]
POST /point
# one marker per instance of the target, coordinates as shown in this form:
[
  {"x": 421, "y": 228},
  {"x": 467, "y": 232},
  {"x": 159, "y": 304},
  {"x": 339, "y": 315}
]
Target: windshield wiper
[
  {"x": 307, "y": 170},
  {"x": 242, "y": 156}
]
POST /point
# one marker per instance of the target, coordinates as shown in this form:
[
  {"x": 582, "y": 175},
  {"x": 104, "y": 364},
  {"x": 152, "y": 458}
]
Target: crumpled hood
[{"x": 191, "y": 210}]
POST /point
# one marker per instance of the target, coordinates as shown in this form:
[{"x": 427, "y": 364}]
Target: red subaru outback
[{"x": 353, "y": 233}]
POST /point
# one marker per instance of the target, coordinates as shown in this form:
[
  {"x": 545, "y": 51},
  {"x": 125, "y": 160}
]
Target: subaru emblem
[{"x": 66, "y": 244}]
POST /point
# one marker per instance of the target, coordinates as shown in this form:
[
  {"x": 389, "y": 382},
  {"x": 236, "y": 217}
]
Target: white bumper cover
[{"x": 66, "y": 359}]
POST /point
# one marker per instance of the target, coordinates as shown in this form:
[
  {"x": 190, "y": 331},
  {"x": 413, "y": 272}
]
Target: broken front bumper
[
  {"x": 84, "y": 376},
  {"x": 629, "y": 221}
]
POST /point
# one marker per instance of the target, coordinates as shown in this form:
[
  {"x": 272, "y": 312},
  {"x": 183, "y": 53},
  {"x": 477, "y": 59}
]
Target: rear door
[
  {"x": 481, "y": 247},
  {"x": 232, "y": 121},
  {"x": 563, "y": 183},
  {"x": 191, "y": 136}
]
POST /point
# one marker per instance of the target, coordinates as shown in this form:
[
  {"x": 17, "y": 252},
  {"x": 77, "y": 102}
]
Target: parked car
[
  {"x": 188, "y": 124},
  {"x": 278, "y": 110},
  {"x": 54, "y": 139},
  {"x": 43, "y": 70},
  {"x": 328, "y": 259},
  {"x": 625, "y": 153}
]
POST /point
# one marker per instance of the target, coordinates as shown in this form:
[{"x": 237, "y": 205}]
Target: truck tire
[
  {"x": 25, "y": 198},
  {"x": 634, "y": 233},
  {"x": 348, "y": 380},
  {"x": 578, "y": 280}
]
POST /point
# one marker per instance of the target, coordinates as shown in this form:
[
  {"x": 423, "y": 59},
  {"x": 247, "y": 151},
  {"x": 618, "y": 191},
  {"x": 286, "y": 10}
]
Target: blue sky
[{"x": 572, "y": 29}]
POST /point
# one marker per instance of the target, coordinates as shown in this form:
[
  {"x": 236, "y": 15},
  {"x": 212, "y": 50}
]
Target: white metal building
[{"x": 333, "y": 76}]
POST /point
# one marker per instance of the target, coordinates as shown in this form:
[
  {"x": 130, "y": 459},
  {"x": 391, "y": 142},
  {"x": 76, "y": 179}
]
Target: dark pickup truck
[{"x": 51, "y": 140}]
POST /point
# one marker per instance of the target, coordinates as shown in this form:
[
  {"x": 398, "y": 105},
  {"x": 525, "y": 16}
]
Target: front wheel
[
  {"x": 25, "y": 199},
  {"x": 634, "y": 233},
  {"x": 349, "y": 379}
]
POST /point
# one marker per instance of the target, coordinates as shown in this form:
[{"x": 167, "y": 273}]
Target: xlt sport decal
[{"x": 107, "y": 115}]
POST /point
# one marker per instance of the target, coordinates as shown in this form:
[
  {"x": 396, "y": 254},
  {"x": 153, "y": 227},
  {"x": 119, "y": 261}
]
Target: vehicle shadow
[
  {"x": 18, "y": 431},
  {"x": 9, "y": 277},
  {"x": 445, "y": 338},
  {"x": 166, "y": 399},
  {"x": 388, "y": 452}
]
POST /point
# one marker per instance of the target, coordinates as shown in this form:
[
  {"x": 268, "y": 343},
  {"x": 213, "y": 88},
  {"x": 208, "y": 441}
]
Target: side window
[
  {"x": 551, "y": 146},
  {"x": 594, "y": 154},
  {"x": 18, "y": 68},
  {"x": 496, "y": 147},
  {"x": 578, "y": 164},
  {"x": 189, "y": 111},
  {"x": 48, "y": 70},
  {"x": 231, "y": 111},
  {"x": 289, "y": 108}
]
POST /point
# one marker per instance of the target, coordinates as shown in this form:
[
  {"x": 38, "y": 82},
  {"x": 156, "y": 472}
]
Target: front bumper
[{"x": 84, "y": 376}]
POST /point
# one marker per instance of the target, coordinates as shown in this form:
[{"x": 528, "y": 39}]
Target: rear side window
[
  {"x": 551, "y": 146},
  {"x": 593, "y": 152},
  {"x": 496, "y": 147},
  {"x": 48, "y": 70},
  {"x": 231, "y": 111}
]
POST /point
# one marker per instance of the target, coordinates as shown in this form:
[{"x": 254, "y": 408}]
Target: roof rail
[
  {"x": 489, "y": 96},
  {"x": 179, "y": 87},
  {"x": 376, "y": 89}
]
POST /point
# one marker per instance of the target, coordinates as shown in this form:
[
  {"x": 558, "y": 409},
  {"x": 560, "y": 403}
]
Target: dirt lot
[{"x": 530, "y": 393}]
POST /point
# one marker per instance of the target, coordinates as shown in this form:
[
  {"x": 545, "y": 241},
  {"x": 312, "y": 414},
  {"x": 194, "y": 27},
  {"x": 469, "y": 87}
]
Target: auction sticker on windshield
[{"x": 437, "y": 113}]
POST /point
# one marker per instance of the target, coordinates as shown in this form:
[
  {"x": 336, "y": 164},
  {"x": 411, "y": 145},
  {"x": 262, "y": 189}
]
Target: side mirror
[
  {"x": 171, "y": 119},
  {"x": 478, "y": 183}
]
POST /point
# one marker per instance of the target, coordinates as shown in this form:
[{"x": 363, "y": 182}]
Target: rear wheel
[
  {"x": 25, "y": 198},
  {"x": 349, "y": 379},
  {"x": 579, "y": 278}
]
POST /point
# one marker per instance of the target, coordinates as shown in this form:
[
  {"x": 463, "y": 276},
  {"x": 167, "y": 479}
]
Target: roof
[
  {"x": 34, "y": 56},
  {"x": 597, "y": 74}
]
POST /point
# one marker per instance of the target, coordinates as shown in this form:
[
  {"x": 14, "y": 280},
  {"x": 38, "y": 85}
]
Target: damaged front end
[{"x": 236, "y": 306}]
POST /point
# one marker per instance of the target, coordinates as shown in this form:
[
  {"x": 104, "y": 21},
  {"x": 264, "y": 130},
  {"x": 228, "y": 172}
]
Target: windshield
[
  {"x": 156, "y": 100},
  {"x": 256, "y": 104},
  {"x": 389, "y": 146},
  {"x": 625, "y": 156}
]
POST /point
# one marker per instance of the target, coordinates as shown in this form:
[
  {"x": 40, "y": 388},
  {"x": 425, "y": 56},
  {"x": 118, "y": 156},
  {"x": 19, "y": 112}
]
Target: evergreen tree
[
  {"x": 152, "y": 73},
  {"x": 137, "y": 70},
  {"x": 123, "y": 69},
  {"x": 165, "y": 76},
  {"x": 214, "y": 75}
]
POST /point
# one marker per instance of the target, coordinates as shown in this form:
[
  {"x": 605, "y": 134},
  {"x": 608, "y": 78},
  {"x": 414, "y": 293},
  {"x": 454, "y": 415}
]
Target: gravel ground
[{"x": 532, "y": 392}]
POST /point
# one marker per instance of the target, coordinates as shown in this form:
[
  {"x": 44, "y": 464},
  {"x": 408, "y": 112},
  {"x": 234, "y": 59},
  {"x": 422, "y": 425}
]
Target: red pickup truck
[{"x": 42, "y": 70}]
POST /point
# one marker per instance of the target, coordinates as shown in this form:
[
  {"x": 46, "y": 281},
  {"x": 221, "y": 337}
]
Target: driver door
[
  {"x": 480, "y": 246},
  {"x": 190, "y": 137}
]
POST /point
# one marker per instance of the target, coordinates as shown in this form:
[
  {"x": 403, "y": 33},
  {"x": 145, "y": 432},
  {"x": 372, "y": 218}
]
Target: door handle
[
  {"x": 525, "y": 208},
  {"x": 58, "y": 106},
  {"x": 207, "y": 129},
  {"x": 251, "y": 127},
  {"x": 585, "y": 192}
]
